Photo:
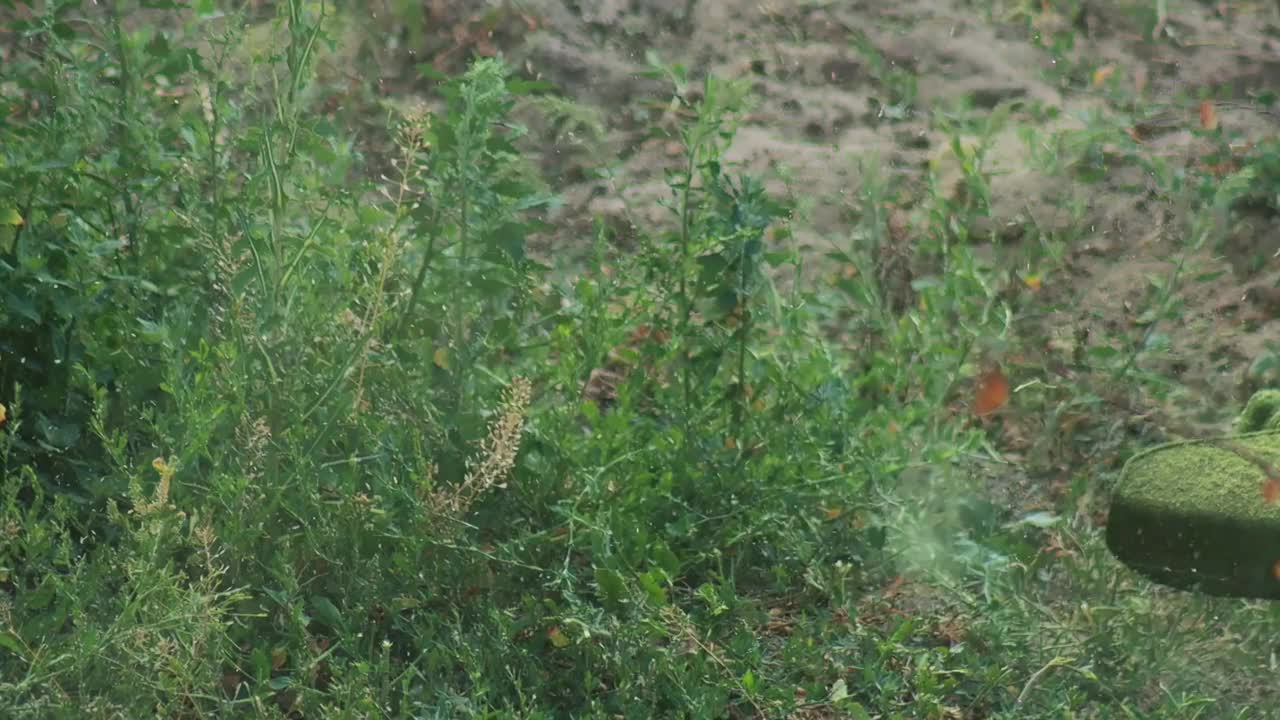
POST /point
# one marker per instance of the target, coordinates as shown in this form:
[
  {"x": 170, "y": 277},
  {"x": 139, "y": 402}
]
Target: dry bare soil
[{"x": 844, "y": 85}]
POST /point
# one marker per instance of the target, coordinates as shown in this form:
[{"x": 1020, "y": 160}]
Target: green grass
[{"x": 297, "y": 429}]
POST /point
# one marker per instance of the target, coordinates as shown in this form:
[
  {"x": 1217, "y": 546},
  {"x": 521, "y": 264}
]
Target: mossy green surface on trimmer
[{"x": 1192, "y": 514}]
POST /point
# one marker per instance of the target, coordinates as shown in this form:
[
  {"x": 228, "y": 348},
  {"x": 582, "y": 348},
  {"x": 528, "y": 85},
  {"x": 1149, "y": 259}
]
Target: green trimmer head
[{"x": 1195, "y": 514}]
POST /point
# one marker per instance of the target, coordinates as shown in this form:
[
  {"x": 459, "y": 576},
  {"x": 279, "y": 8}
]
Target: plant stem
[
  {"x": 686, "y": 304},
  {"x": 420, "y": 279},
  {"x": 744, "y": 332}
]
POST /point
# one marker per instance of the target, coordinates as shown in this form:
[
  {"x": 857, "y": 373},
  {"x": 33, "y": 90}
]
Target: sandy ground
[
  {"x": 828, "y": 77},
  {"x": 841, "y": 87}
]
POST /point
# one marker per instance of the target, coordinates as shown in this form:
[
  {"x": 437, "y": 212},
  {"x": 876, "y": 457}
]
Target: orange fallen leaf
[
  {"x": 992, "y": 391},
  {"x": 1271, "y": 491},
  {"x": 894, "y": 587},
  {"x": 1208, "y": 115},
  {"x": 1101, "y": 74},
  {"x": 1221, "y": 169},
  {"x": 557, "y": 638},
  {"x": 1275, "y": 570},
  {"x": 833, "y": 513},
  {"x": 1032, "y": 282}
]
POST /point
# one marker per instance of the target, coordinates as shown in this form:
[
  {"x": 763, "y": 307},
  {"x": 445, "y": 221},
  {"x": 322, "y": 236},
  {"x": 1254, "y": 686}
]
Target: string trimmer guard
[{"x": 1202, "y": 515}]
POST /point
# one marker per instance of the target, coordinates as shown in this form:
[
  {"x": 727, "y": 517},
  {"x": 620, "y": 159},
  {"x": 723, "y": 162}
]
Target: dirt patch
[{"x": 838, "y": 86}]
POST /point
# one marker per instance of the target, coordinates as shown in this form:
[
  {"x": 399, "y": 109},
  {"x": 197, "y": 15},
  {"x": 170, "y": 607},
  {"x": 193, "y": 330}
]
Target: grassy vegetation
[{"x": 296, "y": 425}]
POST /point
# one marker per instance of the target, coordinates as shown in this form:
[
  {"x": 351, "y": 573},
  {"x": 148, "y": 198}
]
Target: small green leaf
[
  {"x": 405, "y": 602},
  {"x": 281, "y": 682},
  {"x": 10, "y": 216},
  {"x": 667, "y": 560},
  {"x": 1208, "y": 276},
  {"x": 22, "y": 306},
  {"x": 856, "y": 711},
  {"x": 10, "y": 642},
  {"x": 651, "y": 583},
  {"x": 327, "y": 612},
  {"x": 774, "y": 259},
  {"x": 159, "y": 46},
  {"x": 612, "y": 587},
  {"x": 1040, "y": 519},
  {"x": 261, "y": 663},
  {"x": 57, "y": 437},
  {"x": 557, "y": 637},
  {"x": 707, "y": 593},
  {"x": 903, "y": 630},
  {"x": 519, "y": 86},
  {"x": 510, "y": 238},
  {"x": 428, "y": 72}
]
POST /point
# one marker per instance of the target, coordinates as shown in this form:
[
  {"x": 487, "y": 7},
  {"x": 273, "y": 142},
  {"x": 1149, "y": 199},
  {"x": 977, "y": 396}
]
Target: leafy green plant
[
  {"x": 92, "y": 251},
  {"x": 295, "y": 425}
]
